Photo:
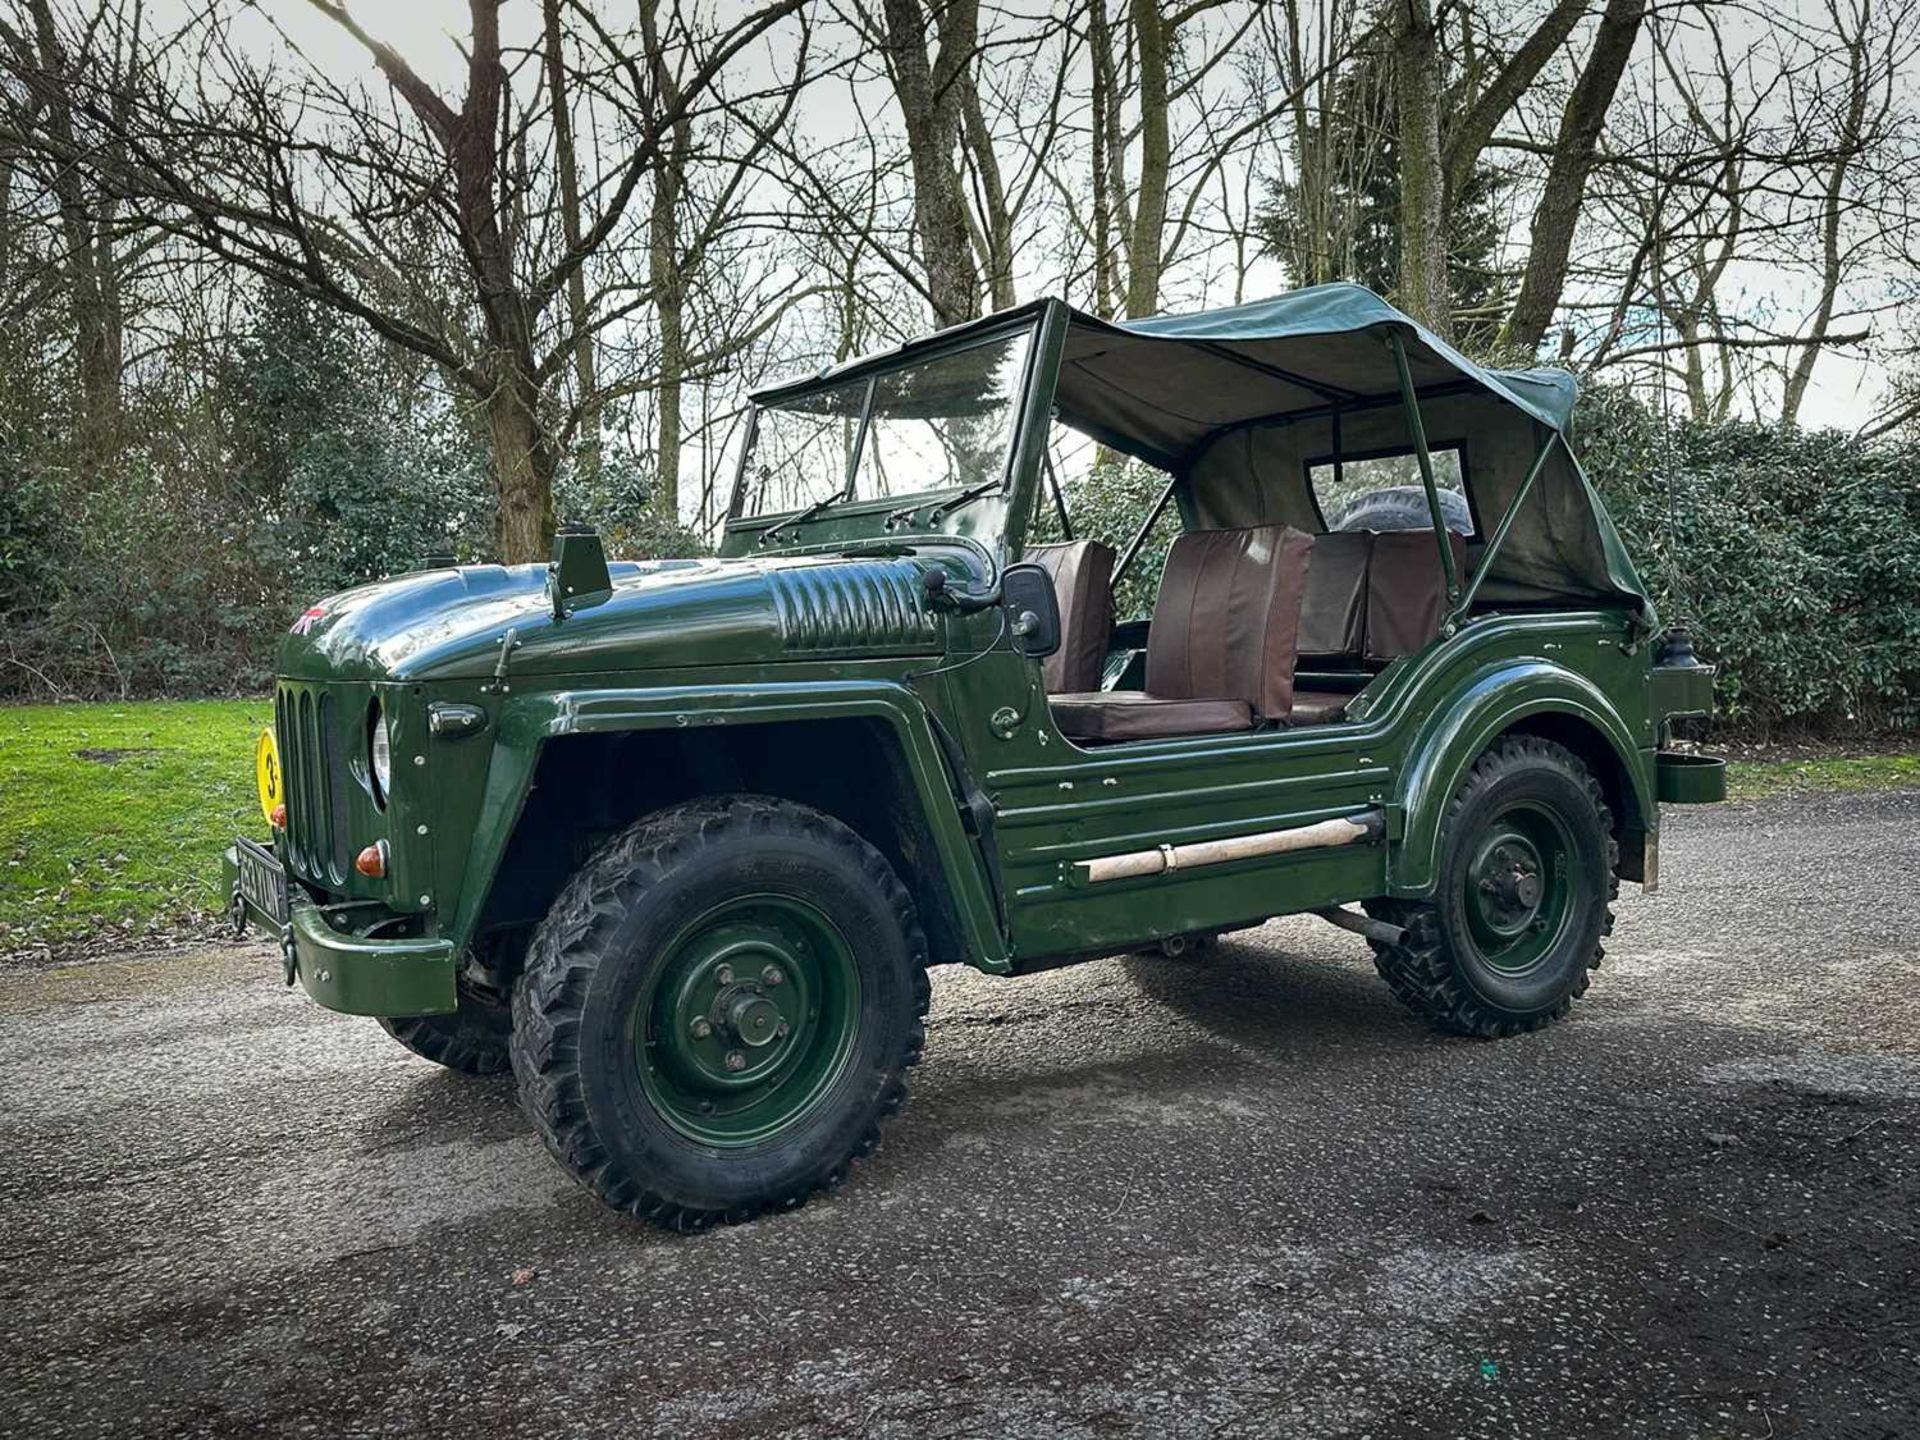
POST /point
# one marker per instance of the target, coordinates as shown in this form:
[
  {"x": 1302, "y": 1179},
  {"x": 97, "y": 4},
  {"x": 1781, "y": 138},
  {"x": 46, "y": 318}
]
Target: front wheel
[
  {"x": 470, "y": 1041},
  {"x": 719, "y": 1010},
  {"x": 1525, "y": 877}
]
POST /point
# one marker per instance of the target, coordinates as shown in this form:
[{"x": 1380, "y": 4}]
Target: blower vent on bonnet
[{"x": 852, "y": 605}]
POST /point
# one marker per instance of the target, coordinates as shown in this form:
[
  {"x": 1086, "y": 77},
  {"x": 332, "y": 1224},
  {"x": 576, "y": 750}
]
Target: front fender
[
  {"x": 1499, "y": 697},
  {"x": 528, "y": 721}
]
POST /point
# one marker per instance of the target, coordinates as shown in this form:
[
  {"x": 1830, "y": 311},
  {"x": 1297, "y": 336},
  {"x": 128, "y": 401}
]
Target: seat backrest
[
  {"x": 1226, "y": 625},
  {"x": 1082, "y": 572},
  {"x": 1333, "y": 614},
  {"x": 1407, "y": 591}
]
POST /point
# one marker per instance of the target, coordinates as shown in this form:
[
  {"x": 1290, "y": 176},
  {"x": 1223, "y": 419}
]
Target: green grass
[
  {"x": 113, "y": 817},
  {"x": 1757, "y": 779}
]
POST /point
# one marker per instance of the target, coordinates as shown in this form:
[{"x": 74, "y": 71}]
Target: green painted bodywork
[
  {"x": 352, "y": 973},
  {"x": 831, "y": 626}
]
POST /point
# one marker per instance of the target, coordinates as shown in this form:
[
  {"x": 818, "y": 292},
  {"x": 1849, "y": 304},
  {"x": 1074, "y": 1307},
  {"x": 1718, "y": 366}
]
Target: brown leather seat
[
  {"x": 1407, "y": 591},
  {"x": 1137, "y": 715},
  {"x": 1221, "y": 651},
  {"x": 1317, "y": 707},
  {"x": 1333, "y": 612},
  {"x": 1082, "y": 572}
]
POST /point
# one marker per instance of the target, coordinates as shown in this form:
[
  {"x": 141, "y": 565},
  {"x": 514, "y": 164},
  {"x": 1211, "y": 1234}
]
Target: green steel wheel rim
[
  {"x": 749, "y": 1019},
  {"x": 1520, "y": 885}
]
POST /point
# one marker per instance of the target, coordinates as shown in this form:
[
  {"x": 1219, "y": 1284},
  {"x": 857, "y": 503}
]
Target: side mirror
[{"x": 1033, "y": 610}]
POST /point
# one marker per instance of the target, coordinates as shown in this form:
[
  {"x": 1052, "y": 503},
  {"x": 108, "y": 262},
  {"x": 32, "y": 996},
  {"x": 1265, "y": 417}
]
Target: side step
[{"x": 1368, "y": 827}]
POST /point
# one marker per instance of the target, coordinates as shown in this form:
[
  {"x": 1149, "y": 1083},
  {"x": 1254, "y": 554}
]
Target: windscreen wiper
[
  {"x": 766, "y": 536},
  {"x": 965, "y": 497}
]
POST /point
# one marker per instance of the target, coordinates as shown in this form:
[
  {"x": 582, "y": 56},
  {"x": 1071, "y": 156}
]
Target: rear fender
[
  {"x": 1501, "y": 698},
  {"x": 528, "y": 722}
]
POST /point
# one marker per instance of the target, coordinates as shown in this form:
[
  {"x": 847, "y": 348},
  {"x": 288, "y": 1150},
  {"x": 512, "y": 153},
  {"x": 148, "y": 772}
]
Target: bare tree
[
  {"x": 932, "y": 94},
  {"x": 91, "y": 254},
  {"x": 1422, "y": 291},
  {"x": 1780, "y": 151},
  {"x": 1573, "y": 154},
  {"x": 314, "y": 184},
  {"x": 1860, "y": 125}
]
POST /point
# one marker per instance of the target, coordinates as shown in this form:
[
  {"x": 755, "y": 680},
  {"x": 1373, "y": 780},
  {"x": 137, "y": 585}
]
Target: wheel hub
[
  {"x": 737, "y": 1030},
  {"x": 754, "y": 1020},
  {"x": 1517, "y": 888},
  {"x": 752, "y": 1009}
]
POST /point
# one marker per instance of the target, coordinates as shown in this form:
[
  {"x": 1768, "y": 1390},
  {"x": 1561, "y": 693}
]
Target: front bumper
[{"x": 351, "y": 973}]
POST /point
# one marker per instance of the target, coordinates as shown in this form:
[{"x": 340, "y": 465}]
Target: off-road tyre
[
  {"x": 586, "y": 1011},
  {"x": 1441, "y": 969},
  {"x": 473, "y": 1040}
]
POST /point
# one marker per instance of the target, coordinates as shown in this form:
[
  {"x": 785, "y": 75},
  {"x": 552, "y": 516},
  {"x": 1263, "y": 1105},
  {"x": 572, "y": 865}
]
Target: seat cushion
[
  {"x": 1136, "y": 715},
  {"x": 1407, "y": 591},
  {"x": 1082, "y": 572},
  {"x": 1317, "y": 707},
  {"x": 1333, "y": 612},
  {"x": 1227, "y": 619}
]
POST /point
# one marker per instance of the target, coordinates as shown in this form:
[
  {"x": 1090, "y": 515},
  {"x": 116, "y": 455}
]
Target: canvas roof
[{"x": 1238, "y": 404}]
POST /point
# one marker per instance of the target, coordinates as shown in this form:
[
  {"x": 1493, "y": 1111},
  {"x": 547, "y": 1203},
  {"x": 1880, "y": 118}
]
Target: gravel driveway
[{"x": 1246, "y": 1195}]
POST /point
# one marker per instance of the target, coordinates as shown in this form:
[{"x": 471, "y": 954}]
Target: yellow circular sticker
[{"x": 266, "y": 774}]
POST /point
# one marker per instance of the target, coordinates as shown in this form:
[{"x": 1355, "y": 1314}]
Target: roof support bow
[{"x": 1410, "y": 400}]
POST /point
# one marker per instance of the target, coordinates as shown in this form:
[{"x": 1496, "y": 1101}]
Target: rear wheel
[
  {"x": 1525, "y": 877},
  {"x": 720, "y": 1009},
  {"x": 473, "y": 1040}
]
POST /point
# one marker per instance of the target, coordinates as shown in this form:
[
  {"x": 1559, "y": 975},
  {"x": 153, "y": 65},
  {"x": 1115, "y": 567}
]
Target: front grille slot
[
  {"x": 316, "y": 799},
  {"x": 333, "y": 773}
]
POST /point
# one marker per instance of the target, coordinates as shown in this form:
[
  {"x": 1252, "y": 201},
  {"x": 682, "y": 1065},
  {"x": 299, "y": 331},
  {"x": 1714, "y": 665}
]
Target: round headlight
[{"x": 381, "y": 754}]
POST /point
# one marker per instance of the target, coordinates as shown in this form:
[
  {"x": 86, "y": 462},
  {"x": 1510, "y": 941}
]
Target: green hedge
[
  {"x": 314, "y": 459},
  {"x": 1794, "y": 554}
]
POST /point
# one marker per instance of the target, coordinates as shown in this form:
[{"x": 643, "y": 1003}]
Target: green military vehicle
[{"x": 678, "y": 840}]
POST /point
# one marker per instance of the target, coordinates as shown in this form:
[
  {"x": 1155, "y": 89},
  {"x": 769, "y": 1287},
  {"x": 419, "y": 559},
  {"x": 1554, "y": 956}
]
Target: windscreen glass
[
  {"x": 801, "y": 450},
  {"x": 945, "y": 423}
]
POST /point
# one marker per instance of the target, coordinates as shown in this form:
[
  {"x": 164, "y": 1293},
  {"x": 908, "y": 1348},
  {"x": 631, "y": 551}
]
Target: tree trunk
[
  {"x": 1423, "y": 291},
  {"x": 579, "y": 319},
  {"x": 993, "y": 197},
  {"x": 664, "y": 273},
  {"x": 929, "y": 109},
  {"x": 88, "y": 267},
  {"x": 670, "y": 307},
  {"x": 1150, "y": 204},
  {"x": 1468, "y": 135},
  {"x": 1558, "y": 215},
  {"x": 1309, "y": 241},
  {"x": 1108, "y": 182},
  {"x": 523, "y": 463}
]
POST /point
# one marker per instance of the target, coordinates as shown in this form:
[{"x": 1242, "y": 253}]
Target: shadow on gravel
[
  {"x": 439, "y": 1107},
  {"x": 1252, "y": 994}
]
